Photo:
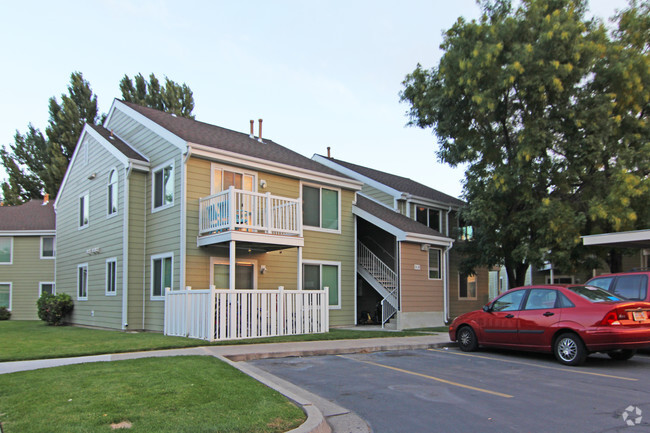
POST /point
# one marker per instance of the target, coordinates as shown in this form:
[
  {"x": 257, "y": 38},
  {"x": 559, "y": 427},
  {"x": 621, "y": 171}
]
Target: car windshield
[{"x": 595, "y": 294}]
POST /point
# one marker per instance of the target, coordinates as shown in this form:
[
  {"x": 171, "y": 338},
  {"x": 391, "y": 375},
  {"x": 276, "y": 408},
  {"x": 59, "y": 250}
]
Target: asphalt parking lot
[{"x": 446, "y": 390}]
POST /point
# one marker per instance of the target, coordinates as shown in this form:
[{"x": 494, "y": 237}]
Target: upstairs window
[
  {"x": 6, "y": 245},
  {"x": 112, "y": 193},
  {"x": 465, "y": 231},
  {"x": 427, "y": 216},
  {"x": 84, "y": 210},
  {"x": 47, "y": 247},
  {"x": 320, "y": 207},
  {"x": 467, "y": 286},
  {"x": 163, "y": 186}
]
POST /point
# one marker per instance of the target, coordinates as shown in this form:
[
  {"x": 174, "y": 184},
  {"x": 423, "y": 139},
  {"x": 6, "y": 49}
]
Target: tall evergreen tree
[{"x": 172, "y": 97}]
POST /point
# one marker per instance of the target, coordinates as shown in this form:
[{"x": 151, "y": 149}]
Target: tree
[
  {"x": 172, "y": 98},
  {"x": 520, "y": 97}
]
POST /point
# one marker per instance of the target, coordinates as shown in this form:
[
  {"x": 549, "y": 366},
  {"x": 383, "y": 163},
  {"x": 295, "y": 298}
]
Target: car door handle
[
  {"x": 509, "y": 316},
  {"x": 548, "y": 314}
]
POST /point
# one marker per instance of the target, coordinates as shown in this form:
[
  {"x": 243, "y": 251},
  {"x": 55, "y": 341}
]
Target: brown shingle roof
[
  {"x": 205, "y": 134},
  {"x": 395, "y": 219},
  {"x": 400, "y": 183},
  {"x": 124, "y": 148},
  {"x": 33, "y": 215}
]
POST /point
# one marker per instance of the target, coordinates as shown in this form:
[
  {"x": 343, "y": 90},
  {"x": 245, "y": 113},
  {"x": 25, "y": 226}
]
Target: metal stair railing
[{"x": 385, "y": 276}]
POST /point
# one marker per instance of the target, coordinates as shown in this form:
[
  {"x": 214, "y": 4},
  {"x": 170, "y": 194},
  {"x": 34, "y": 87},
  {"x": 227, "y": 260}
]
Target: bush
[
  {"x": 5, "y": 314},
  {"x": 53, "y": 308}
]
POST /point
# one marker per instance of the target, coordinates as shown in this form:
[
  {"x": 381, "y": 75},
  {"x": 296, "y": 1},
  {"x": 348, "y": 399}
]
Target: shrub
[
  {"x": 53, "y": 308},
  {"x": 5, "y": 314}
]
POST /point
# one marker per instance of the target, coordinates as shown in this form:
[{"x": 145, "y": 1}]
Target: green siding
[
  {"x": 25, "y": 273},
  {"x": 378, "y": 195}
]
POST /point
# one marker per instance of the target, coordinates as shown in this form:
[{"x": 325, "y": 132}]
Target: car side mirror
[{"x": 487, "y": 308}]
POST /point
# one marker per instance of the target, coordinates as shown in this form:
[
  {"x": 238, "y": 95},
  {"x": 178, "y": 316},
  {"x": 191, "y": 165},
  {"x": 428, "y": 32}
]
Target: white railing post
[
  {"x": 231, "y": 208},
  {"x": 269, "y": 218},
  {"x": 212, "y": 313},
  {"x": 281, "y": 319}
]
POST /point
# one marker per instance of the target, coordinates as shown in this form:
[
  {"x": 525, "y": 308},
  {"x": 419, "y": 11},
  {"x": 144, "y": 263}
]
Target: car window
[
  {"x": 540, "y": 299},
  {"x": 631, "y": 286},
  {"x": 603, "y": 283},
  {"x": 595, "y": 294},
  {"x": 509, "y": 301},
  {"x": 563, "y": 301}
]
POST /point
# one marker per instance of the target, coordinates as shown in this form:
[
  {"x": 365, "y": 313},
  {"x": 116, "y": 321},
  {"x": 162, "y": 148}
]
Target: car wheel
[
  {"x": 569, "y": 349},
  {"x": 622, "y": 354},
  {"x": 467, "y": 339}
]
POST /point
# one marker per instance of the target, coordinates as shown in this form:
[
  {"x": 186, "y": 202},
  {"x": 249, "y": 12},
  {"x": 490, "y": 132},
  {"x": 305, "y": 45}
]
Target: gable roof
[
  {"x": 118, "y": 144},
  {"x": 35, "y": 215},
  {"x": 402, "y": 185},
  {"x": 405, "y": 228},
  {"x": 205, "y": 134}
]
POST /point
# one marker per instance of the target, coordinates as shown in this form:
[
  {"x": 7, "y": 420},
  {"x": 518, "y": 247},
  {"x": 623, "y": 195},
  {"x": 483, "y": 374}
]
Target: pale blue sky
[{"x": 320, "y": 73}]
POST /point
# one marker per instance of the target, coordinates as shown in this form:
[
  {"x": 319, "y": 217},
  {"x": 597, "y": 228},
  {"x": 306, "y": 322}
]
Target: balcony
[{"x": 252, "y": 217}]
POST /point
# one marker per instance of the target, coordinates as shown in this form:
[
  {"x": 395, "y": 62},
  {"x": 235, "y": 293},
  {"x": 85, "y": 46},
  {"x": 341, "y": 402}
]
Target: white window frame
[
  {"x": 226, "y": 261},
  {"x": 115, "y": 188},
  {"x": 439, "y": 264},
  {"x": 40, "y": 287},
  {"x": 467, "y": 298},
  {"x": 170, "y": 163},
  {"x": 155, "y": 257},
  {"x": 319, "y": 228},
  {"x": 86, "y": 196},
  {"x": 11, "y": 250},
  {"x": 238, "y": 170},
  {"x": 327, "y": 263},
  {"x": 80, "y": 266},
  {"x": 53, "y": 256},
  {"x": 11, "y": 291},
  {"x": 106, "y": 291}
]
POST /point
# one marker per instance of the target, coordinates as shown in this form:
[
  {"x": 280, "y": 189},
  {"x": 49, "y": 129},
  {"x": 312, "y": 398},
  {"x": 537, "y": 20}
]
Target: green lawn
[
  {"x": 177, "y": 394},
  {"x": 22, "y": 340}
]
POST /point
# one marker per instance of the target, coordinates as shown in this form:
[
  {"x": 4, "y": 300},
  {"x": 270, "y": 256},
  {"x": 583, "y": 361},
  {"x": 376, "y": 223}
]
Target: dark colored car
[
  {"x": 634, "y": 285},
  {"x": 570, "y": 321}
]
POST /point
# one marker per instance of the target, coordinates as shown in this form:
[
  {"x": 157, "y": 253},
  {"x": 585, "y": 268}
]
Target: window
[
  {"x": 320, "y": 207},
  {"x": 434, "y": 264},
  {"x": 84, "y": 210},
  {"x": 428, "y": 217},
  {"x": 47, "y": 247},
  {"x": 113, "y": 195},
  {"x": 603, "y": 283},
  {"x": 244, "y": 275},
  {"x": 82, "y": 282},
  {"x": 467, "y": 286},
  {"x": 316, "y": 276},
  {"x": 509, "y": 302},
  {"x": 161, "y": 274},
  {"x": 163, "y": 186},
  {"x": 111, "y": 276},
  {"x": 48, "y": 287},
  {"x": 541, "y": 299},
  {"x": 465, "y": 231},
  {"x": 5, "y": 295},
  {"x": 631, "y": 286},
  {"x": 6, "y": 247},
  {"x": 222, "y": 179}
]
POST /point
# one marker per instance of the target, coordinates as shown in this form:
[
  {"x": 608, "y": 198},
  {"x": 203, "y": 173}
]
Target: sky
[{"x": 320, "y": 73}]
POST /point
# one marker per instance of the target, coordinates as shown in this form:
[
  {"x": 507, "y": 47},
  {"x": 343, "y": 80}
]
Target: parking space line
[
  {"x": 448, "y": 382},
  {"x": 568, "y": 370}
]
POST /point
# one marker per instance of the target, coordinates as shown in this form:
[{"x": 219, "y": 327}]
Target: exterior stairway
[{"x": 381, "y": 278}]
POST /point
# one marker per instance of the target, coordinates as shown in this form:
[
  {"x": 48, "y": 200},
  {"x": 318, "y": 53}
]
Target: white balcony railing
[{"x": 237, "y": 209}]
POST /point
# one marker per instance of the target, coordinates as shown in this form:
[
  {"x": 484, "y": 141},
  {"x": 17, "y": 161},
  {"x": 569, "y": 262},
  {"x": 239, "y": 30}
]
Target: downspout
[{"x": 125, "y": 250}]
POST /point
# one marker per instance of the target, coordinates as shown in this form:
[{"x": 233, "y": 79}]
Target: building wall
[
  {"x": 138, "y": 291},
  {"x": 378, "y": 195},
  {"x": 457, "y": 305},
  {"x": 25, "y": 274},
  {"x": 420, "y": 293},
  {"x": 103, "y": 234}
]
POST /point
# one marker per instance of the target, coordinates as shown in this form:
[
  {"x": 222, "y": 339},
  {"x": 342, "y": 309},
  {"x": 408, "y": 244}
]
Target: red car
[{"x": 569, "y": 320}]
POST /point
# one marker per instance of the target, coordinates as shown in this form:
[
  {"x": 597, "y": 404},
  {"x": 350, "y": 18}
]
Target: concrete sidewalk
[{"x": 322, "y": 415}]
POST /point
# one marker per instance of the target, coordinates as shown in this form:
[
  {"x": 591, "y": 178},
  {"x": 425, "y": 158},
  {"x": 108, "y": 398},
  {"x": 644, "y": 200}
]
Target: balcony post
[
  {"x": 268, "y": 217},
  {"x": 231, "y": 208}
]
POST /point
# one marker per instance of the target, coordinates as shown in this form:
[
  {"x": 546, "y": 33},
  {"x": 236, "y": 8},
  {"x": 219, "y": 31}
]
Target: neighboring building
[
  {"x": 153, "y": 201},
  {"x": 27, "y": 256},
  {"x": 406, "y": 230}
]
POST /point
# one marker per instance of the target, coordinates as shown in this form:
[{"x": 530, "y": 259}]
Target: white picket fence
[{"x": 222, "y": 314}]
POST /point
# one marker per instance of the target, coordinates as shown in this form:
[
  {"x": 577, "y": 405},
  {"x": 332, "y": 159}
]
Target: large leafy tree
[
  {"x": 523, "y": 97},
  {"x": 36, "y": 163}
]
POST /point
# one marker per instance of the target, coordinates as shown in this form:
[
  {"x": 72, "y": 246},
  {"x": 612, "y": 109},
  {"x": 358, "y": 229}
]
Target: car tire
[
  {"x": 467, "y": 340},
  {"x": 622, "y": 354},
  {"x": 569, "y": 349}
]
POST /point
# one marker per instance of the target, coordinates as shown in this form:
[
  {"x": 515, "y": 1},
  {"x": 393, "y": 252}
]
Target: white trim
[
  {"x": 40, "y": 287},
  {"x": 86, "y": 196},
  {"x": 338, "y": 276},
  {"x": 272, "y": 166},
  {"x": 106, "y": 145},
  {"x": 156, "y": 169},
  {"x": 10, "y": 284},
  {"x": 152, "y": 259},
  {"x": 79, "y": 266},
  {"x": 106, "y": 291},
  {"x": 439, "y": 264},
  {"x": 110, "y": 214},
  {"x": 11, "y": 251},
  {"x": 319, "y": 228},
  {"x": 53, "y": 248},
  {"x": 610, "y": 238},
  {"x": 27, "y": 233},
  {"x": 226, "y": 261},
  {"x": 147, "y": 123}
]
